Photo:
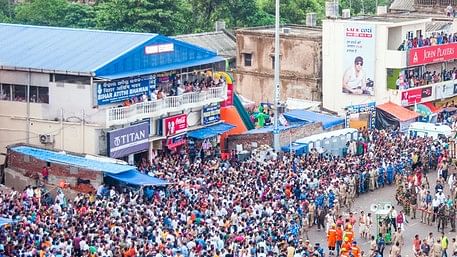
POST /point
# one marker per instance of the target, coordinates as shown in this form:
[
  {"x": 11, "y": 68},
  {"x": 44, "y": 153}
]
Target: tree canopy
[{"x": 169, "y": 17}]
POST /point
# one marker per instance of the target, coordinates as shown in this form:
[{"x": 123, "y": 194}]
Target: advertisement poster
[
  {"x": 411, "y": 97},
  {"x": 368, "y": 108},
  {"x": 432, "y": 54},
  {"x": 175, "y": 125},
  {"x": 125, "y": 141},
  {"x": 359, "y": 59},
  {"x": 211, "y": 113}
]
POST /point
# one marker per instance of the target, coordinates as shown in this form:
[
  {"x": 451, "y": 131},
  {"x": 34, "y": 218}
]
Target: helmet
[
  {"x": 343, "y": 249},
  {"x": 349, "y": 226},
  {"x": 346, "y": 238},
  {"x": 333, "y": 225}
]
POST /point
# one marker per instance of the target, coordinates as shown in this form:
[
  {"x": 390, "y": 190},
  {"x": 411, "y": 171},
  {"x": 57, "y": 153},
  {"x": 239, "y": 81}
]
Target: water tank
[
  {"x": 331, "y": 9},
  {"x": 381, "y": 10},
  {"x": 311, "y": 19},
  {"x": 286, "y": 30},
  {"x": 219, "y": 25},
  {"x": 346, "y": 14}
]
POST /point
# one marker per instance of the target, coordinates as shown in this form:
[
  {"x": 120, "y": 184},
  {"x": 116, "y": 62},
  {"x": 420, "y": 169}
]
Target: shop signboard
[
  {"x": 359, "y": 60},
  {"x": 176, "y": 141},
  {"x": 211, "y": 113},
  {"x": 125, "y": 141},
  {"x": 175, "y": 125},
  {"x": 411, "y": 96},
  {"x": 116, "y": 91},
  {"x": 432, "y": 54},
  {"x": 362, "y": 108},
  {"x": 426, "y": 92},
  {"x": 445, "y": 90}
]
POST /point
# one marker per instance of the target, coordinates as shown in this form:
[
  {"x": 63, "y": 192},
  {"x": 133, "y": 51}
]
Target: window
[
  {"x": 19, "y": 93},
  {"x": 247, "y": 59},
  {"x": 39, "y": 94},
  {"x": 72, "y": 79},
  {"x": 5, "y": 92},
  {"x": 273, "y": 62}
]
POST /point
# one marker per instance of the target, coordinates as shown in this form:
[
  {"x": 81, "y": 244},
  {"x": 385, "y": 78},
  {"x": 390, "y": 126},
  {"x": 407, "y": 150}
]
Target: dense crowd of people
[
  {"x": 439, "y": 38},
  {"x": 413, "y": 79},
  {"x": 263, "y": 206},
  {"x": 176, "y": 87}
]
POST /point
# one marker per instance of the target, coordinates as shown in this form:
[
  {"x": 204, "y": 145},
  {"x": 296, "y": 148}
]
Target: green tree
[
  {"x": 292, "y": 11},
  {"x": 157, "y": 16},
  {"x": 6, "y": 10},
  {"x": 79, "y": 16},
  {"x": 42, "y": 12}
]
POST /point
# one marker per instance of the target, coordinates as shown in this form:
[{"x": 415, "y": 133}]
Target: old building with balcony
[
  {"x": 407, "y": 59},
  {"x": 300, "y": 63},
  {"x": 101, "y": 92}
]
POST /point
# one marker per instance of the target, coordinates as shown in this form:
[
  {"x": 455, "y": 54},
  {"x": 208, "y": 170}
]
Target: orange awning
[
  {"x": 432, "y": 107},
  {"x": 401, "y": 113}
]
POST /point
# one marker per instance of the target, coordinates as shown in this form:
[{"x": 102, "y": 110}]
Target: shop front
[
  {"x": 130, "y": 144},
  {"x": 361, "y": 116}
]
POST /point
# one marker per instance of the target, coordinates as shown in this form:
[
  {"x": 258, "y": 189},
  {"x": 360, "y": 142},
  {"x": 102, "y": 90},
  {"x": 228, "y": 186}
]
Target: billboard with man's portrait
[{"x": 359, "y": 59}]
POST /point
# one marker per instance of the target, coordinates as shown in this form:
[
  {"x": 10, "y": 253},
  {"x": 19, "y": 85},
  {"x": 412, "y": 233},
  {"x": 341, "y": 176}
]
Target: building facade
[
  {"x": 300, "y": 63},
  {"x": 373, "y": 64},
  {"x": 97, "y": 92}
]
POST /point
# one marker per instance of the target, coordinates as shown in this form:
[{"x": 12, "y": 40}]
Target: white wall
[
  {"x": 333, "y": 47},
  {"x": 73, "y": 99}
]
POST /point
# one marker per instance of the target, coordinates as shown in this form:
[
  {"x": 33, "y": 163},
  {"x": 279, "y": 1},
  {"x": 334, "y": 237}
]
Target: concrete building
[
  {"x": 372, "y": 45},
  {"x": 67, "y": 89},
  {"x": 300, "y": 63}
]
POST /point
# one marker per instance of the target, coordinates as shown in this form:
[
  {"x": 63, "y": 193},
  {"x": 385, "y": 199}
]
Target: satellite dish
[
  {"x": 387, "y": 206},
  {"x": 374, "y": 207}
]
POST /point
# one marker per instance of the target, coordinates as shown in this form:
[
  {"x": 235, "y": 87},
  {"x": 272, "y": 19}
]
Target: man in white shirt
[{"x": 354, "y": 80}]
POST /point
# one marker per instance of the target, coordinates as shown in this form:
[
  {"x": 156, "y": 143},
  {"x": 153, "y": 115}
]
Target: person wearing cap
[
  {"x": 331, "y": 238},
  {"x": 344, "y": 252},
  {"x": 355, "y": 249},
  {"x": 354, "y": 80}
]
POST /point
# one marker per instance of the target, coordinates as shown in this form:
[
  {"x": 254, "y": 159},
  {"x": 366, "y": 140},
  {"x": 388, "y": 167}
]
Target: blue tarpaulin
[
  {"x": 308, "y": 116},
  {"x": 139, "y": 179},
  {"x": 4, "y": 221},
  {"x": 210, "y": 131},
  {"x": 270, "y": 129},
  {"x": 72, "y": 160},
  {"x": 299, "y": 149}
]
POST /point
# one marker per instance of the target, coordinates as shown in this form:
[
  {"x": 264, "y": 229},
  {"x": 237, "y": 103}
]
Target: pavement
[{"x": 387, "y": 194}]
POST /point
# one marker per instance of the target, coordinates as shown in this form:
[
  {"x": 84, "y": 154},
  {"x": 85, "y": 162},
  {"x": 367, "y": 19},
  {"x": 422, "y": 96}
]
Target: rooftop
[
  {"x": 63, "y": 49},
  {"x": 221, "y": 42},
  {"x": 72, "y": 160},
  {"x": 295, "y": 30}
]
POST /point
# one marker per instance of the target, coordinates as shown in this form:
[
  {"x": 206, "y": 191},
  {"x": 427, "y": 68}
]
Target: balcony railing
[{"x": 149, "y": 109}]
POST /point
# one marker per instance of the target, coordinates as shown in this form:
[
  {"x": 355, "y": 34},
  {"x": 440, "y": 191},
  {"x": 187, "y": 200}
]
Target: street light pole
[{"x": 277, "y": 90}]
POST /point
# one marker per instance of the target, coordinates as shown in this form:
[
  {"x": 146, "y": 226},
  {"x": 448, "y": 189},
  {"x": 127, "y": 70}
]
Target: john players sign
[
  {"x": 125, "y": 141},
  {"x": 120, "y": 90}
]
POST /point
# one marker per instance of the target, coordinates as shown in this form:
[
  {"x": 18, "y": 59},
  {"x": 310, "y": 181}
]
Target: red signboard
[
  {"x": 175, "y": 125},
  {"x": 431, "y": 54},
  {"x": 411, "y": 96}
]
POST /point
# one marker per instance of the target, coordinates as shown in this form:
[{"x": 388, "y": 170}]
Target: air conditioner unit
[
  {"x": 346, "y": 14},
  {"x": 46, "y": 139}
]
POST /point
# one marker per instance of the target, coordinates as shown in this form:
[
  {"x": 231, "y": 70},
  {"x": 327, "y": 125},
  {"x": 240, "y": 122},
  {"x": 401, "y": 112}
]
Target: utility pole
[{"x": 277, "y": 90}]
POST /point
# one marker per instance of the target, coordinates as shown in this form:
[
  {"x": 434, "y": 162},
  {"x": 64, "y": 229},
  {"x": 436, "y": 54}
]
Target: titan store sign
[{"x": 125, "y": 141}]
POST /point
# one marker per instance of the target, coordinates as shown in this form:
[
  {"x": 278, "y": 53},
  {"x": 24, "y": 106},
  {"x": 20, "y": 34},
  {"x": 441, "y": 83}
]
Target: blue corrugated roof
[
  {"x": 304, "y": 115},
  {"x": 63, "y": 49},
  {"x": 73, "y": 160},
  {"x": 162, "y": 68}
]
